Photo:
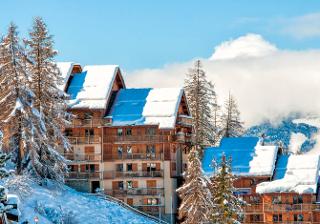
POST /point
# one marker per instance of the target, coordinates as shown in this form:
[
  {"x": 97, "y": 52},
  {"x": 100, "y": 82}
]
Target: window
[
  {"x": 129, "y": 184},
  {"x": 68, "y": 132},
  {"x": 256, "y": 218},
  {"x": 151, "y": 151},
  {"x": 277, "y": 218},
  {"x": 152, "y": 201},
  {"x": 90, "y": 167},
  {"x": 72, "y": 168},
  {"x": 255, "y": 200},
  {"x": 297, "y": 199},
  {"x": 128, "y": 131},
  {"x": 119, "y": 132},
  {"x": 89, "y": 132},
  {"x": 298, "y": 217},
  {"x": 120, "y": 185},
  {"x": 129, "y": 166},
  {"x": 120, "y": 150},
  {"x": 276, "y": 199},
  {"x": 150, "y": 131},
  {"x": 151, "y": 167},
  {"x": 129, "y": 149},
  {"x": 119, "y": 167}
]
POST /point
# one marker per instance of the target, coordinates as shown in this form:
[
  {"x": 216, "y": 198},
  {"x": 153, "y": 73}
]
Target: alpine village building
[
  {"x": 133, "y": 145},
  {"x": 129, "y": 142},
  {"x": 278, "y": 187}
]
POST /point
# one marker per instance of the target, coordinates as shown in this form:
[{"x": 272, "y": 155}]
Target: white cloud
[
  {"x": 250, "y": 45},
  {"x": 268, "y": 85},
  {"x": 306, "y": 26}
]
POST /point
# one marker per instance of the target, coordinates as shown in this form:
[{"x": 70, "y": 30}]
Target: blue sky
[{"x": 149, "y": 34}]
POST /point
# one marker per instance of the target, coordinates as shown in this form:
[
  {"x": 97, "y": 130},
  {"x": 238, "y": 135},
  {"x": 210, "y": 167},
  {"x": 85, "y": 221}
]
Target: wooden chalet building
[
  {"x": 128, "y": 142},
  {"x": 278, "y": 188}
]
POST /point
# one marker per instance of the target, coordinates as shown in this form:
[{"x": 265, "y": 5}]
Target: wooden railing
[
  {"x": 184, "y": 120},
  {"x": 152, "y": 209},
  {"x": 281, "y": 208},
  {"x": 77, "y": 157},
  {"x": 84, "y": 175},
  {"x": 137, "y": 138},
  {"x": 119, "y": 174},
  {"x": 94, "y": 122},
  {"x": 84, "y": 140},
  {"x": 136, "y": 191},
  {"x": 133, "y": 156}
]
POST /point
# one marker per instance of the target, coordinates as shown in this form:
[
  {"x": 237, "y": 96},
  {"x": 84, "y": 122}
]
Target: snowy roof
[
  {"x": 146, "y": 106},
  {"x": 249, "y": 157},
  {"x": 91, "y": 88},
  {"x": 65, "y": 69},
  {"x": 294, "y": 173}
]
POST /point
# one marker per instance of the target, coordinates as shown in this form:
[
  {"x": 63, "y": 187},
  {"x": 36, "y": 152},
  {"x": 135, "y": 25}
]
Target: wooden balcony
[
  {"x": 84, "y": 175},
  {"x": 151, "y": 209},
  {"x": 281, "y": 208},
  {"x": 184, "y": 120},
  {"x": 78, "y": 157},
  {"x": 135, "y": 191},
  {"x": 89, "y": 123},
  {"x": 291, "y": 207},
  {"x": 84, "y": 140},
  {"x": 133, "y": 156},
  {"x": 137, "y": 138},
  {"x": 131, "y": 174}
]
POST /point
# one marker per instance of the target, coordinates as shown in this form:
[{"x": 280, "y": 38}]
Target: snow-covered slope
[
  {"x": 61, "y": 204},
  {"x": 296, "y": 134}
]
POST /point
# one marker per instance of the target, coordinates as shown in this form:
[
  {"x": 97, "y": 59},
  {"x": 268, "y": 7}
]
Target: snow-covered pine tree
[
  {"x": 195, "y": 193},
  {"x": 21, "y": 123},
  {"x": 4, "y": 157},
  {"x": 202, "y": 101},
  {"x": 49, "y": 100},
  {"x": 227, "y": 209},
  {"x": 231, "y": 126}
]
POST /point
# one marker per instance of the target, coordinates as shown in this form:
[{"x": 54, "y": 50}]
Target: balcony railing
[
  {"x": 94, "y": 122},
  {"x": 136, "y": 191},
  {"x": 84, "y": 175},
  {"x": 256, "y": 208},
  {"x": 291, "y": 207},
  {"x": 78, "y": 157},
  {"x": 84, "y": 140},
  {"x": 119, "y": 174},
  {"x": 137, "y": 138},
  {"x": 184, "y": 120},
  {"x": 133, "y": 156},
  {"x": 152, "y": 209}
]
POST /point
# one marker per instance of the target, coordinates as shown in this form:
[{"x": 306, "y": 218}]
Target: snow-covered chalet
[
  {"x": 278, "y": 187},
  {"x": 128, "y": 142}
]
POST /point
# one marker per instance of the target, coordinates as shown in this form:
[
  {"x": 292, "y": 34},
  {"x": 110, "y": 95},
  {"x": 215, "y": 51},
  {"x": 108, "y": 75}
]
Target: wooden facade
[
  {"x": 140, "y": 165},
  {"x": 276, "y": 207}
]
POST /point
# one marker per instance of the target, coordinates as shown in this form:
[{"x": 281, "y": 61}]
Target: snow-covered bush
[{"x": 56, "y": 215}]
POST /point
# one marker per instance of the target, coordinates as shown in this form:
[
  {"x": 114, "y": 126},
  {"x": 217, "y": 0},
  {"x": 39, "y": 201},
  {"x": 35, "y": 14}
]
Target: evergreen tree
[
  {"x": 230, "y": 120},
  {"x": 195, "y": 193},
  {"x": 20, "y": 121},
  {"x": 202, "y": 101},
  {"x": 227, "y": 209},
  {"x": 49, "y": 100},
  {"x": 3, "y": 173}
]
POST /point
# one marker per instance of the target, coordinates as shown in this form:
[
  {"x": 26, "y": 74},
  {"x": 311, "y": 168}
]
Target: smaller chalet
[{"x": 279, "y": 188}]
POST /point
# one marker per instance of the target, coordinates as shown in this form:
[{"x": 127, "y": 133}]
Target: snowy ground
[{"x": 54, "y": 204}]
